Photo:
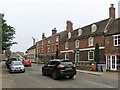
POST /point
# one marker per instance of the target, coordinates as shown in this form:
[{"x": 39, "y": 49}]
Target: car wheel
[
  {"x": 54, "y": 76},
  {"x": 43, "y": 73},
  {"x": 71, "y": 76},
  {"x": 23, "y": 71}
]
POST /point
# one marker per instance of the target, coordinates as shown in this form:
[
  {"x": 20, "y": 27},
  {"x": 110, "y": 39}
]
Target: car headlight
[{"x": 22, "y": 68}]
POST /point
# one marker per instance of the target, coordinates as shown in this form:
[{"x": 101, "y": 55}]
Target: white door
[
  {"x": 76, "y": 58},
  {"x": 113, "y": 62}
]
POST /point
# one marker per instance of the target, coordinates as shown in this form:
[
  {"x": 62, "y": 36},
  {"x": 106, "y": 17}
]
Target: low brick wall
[{"x": 84, "y": 67}]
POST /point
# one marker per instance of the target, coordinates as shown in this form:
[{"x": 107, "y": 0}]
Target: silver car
[{"x": 16, "y": 66}]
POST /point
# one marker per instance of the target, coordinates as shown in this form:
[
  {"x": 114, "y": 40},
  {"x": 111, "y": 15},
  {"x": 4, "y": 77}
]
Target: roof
[
  {"x": 32, "y": 47},
  {"x": 86, "y": 31},
  {"x": 114, "y": 28}
]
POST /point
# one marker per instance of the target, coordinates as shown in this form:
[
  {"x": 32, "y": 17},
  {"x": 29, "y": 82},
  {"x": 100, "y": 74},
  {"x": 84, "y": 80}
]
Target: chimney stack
[
  {"x": 54, "y": 31},
  {"x": 33, "y": 41},
  {"x": 43, "y": 36},
  {"x": 112, "y": 11},
  {"x": 69, "y": 26}
]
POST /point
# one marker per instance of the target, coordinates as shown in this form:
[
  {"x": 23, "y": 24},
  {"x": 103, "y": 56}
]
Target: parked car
[
  {"x": 16, "y": 66},
  {"x": 58, "y": 68},
  {"x": 9, "y": 61},
  {"x": 27, "y": 63}
]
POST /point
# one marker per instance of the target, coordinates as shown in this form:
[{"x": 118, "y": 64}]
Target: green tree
[
  {"x": 97, "y": 55},
  {"x": 7, "y": 35},
  {"x": 57, "y": 54},
  {"x": 8, "y": 52}
]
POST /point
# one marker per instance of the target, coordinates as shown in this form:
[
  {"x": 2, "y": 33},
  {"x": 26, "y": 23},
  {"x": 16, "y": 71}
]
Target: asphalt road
[{"x": 33, "y": 78}]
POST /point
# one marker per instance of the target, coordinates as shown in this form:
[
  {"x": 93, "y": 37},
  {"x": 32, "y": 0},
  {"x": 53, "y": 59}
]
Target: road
[{"x": 33, "y": 78}]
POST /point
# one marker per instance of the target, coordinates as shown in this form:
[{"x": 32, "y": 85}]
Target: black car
[
  {"x": 9, "y": 61},
  {"x": 58, "y": 68}
]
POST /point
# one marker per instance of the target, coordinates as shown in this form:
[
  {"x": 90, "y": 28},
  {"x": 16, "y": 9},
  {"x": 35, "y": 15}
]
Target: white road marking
[{"x": 99, "y": 84}]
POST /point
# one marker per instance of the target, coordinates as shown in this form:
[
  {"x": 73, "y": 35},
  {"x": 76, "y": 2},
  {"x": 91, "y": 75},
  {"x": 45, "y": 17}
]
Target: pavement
[{"x": 111, "y": 75}]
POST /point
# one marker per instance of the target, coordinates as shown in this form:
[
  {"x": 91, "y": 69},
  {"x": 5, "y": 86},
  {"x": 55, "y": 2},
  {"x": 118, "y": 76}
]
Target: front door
[
  {"x": 76, "y": 58},
  {"x": 113, "y": 62}
]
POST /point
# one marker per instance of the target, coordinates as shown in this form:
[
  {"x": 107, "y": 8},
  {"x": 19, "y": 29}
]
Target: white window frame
[
  {"x": 89, "y": 41},
  {"x": 93, "y": 28},
  {"x": 77, "y": 43},
  {"x": 66, "y": 45},
  {"x": 66, "y": 56},
  {"x": 69, "y": 35},
  {"x": 52, "y": 48},
  {"x": 42, "y": 49},
  {"x": 49, "y": 41},
  {"x": 116, "y": 39},
  {"x": 79, "y": 32},
  {"x": 56, "y": 39},
  {"x": 89, "y": 55},
  {"x": 48, "y": 48},
  {"x": 42, "y": 42}
]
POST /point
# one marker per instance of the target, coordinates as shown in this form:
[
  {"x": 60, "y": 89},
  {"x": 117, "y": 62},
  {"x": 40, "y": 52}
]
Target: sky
[{"x": 31, "y": 18}]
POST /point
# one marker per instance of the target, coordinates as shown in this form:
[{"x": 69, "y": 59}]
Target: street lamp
[{"x": 37, "y": 49}]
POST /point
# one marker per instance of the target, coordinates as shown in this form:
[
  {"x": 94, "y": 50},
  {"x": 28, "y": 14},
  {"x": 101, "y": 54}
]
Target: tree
[
  {"x": 57, "y": 54},
  {"x": 7, "y": 35},
  {"x": 8, "y": 52},
  {"x": 97, "y": 56}
]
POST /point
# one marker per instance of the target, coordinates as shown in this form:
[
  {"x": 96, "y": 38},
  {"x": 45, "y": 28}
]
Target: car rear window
[
  {"x": 27, "y": 60},
  {"x": 66, "y": 63}
]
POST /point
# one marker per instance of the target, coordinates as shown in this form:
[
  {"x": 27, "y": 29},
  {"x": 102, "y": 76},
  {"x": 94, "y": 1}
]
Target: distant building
[{"x": 31, "y": 53}]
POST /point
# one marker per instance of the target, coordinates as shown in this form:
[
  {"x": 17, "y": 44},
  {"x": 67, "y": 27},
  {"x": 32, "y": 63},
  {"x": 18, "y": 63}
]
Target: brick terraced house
[
  {"x": 79, "y": 45},
  {"x": 46, "y": 48}
]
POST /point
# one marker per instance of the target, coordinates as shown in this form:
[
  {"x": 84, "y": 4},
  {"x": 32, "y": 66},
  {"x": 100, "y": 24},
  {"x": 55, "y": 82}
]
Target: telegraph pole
[{"x": 0, "y": 36}]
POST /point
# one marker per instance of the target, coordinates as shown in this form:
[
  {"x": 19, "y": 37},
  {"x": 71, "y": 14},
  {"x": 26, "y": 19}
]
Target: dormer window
[
  {"x": 79, "y": 32},
  {"x": 69, "y": 35},
  {"x": 93, "y": 28}
]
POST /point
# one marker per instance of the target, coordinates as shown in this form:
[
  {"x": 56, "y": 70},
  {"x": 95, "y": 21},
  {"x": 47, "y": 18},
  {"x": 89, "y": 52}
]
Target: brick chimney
[
  {"x": 43, "y": 36},
  {"x": 112, "y": 11},
  {"x": 33, "y": 41},
  {"x": 54, "y": 31},
  {"x": 69, "y": 26}
]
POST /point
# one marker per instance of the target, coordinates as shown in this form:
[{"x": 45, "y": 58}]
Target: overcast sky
[{"x": 33, "y": 17}]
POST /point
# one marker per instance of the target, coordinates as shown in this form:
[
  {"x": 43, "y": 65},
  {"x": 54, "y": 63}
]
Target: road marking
[{"x": 99, "y": 84}]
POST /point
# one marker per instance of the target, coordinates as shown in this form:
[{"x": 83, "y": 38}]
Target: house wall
[
  {"x": 109, "y": 45},
  {"x": 83, "y": 44}
]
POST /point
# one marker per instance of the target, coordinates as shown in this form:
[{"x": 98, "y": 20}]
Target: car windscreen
[
  {"x": 66, "y": 63},
  {"x": 13, "y": 59},
  {"x": 16, "y": 63}
]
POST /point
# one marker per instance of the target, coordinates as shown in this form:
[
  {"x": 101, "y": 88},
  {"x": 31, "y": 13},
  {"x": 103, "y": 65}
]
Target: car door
[
  {"x": 46, "y": 68},
  {"x": 52, "y": 66}
]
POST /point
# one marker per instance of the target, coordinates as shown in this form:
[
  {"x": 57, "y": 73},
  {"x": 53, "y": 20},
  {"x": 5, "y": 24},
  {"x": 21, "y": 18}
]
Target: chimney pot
[{"x": 54, "y": 31}]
